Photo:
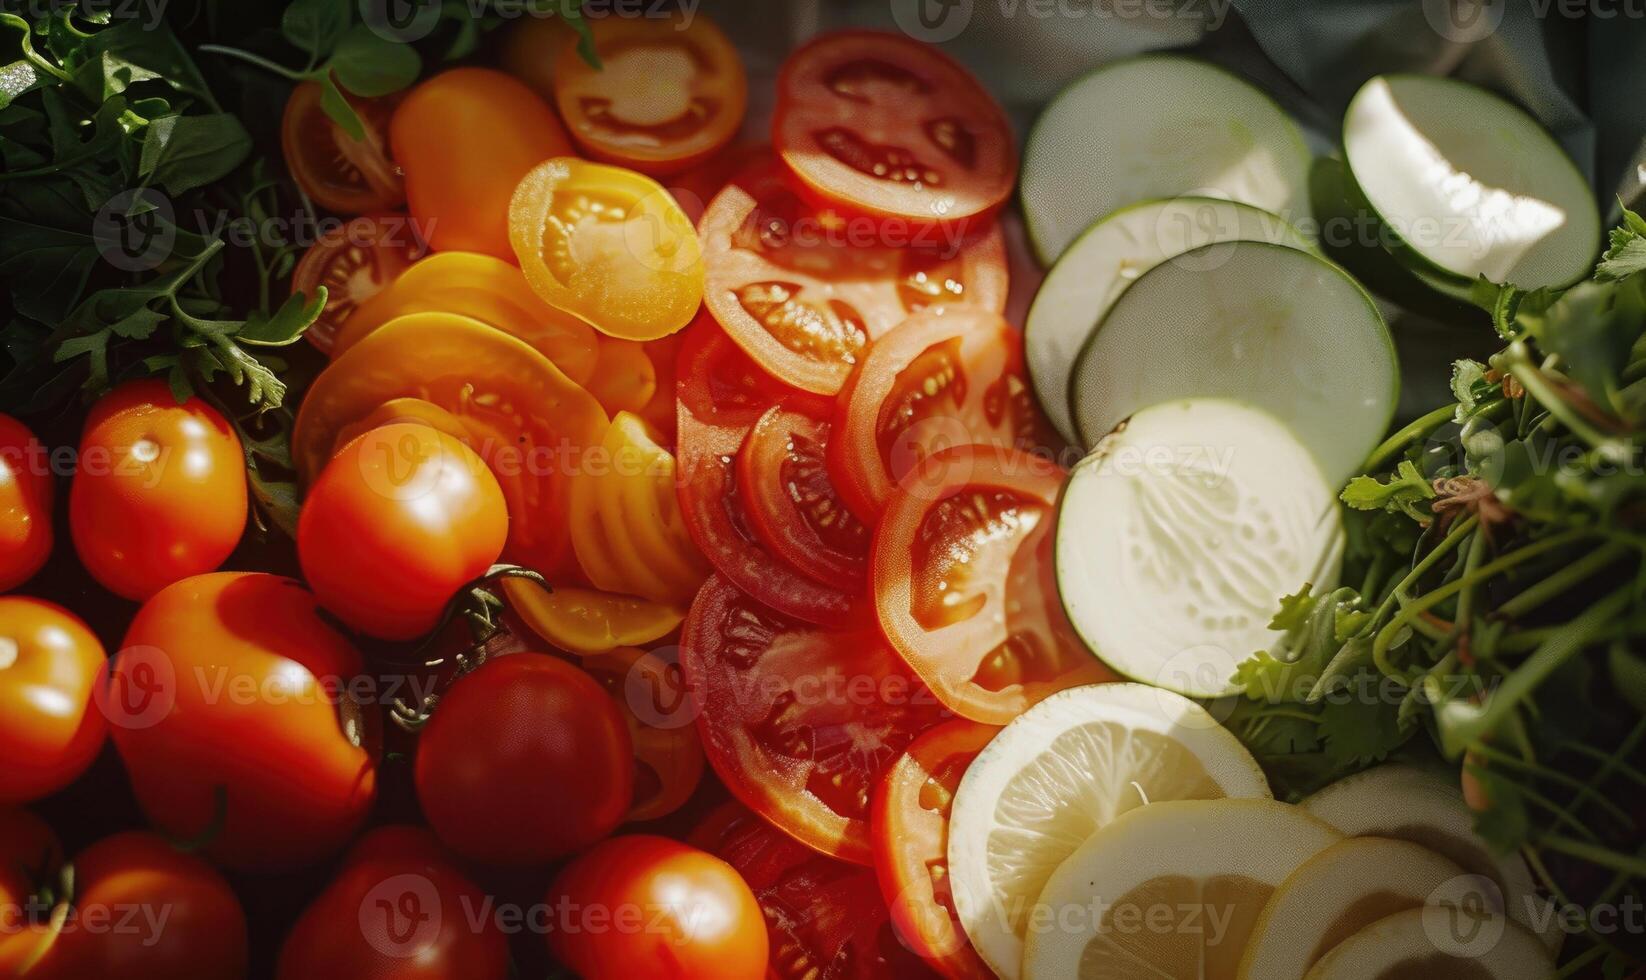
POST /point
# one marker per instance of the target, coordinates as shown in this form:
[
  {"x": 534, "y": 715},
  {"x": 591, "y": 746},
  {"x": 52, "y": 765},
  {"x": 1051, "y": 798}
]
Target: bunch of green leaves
[{"x": 1494, "y": 589}]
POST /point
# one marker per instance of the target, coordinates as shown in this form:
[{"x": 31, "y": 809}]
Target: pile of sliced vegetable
[{"x": 668, "y": 539}]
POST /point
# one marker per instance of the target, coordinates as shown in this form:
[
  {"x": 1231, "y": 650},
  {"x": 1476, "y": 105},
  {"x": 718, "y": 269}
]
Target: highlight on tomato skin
[
  {"x": 51, "y": 727},
  {"x": 27, "y": 500},
  {"x": 670, "y": 91}
]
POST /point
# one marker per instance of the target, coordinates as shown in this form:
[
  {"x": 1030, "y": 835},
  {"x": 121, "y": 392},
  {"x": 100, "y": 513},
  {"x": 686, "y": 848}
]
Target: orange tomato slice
[{"x": 588, "y": 622}]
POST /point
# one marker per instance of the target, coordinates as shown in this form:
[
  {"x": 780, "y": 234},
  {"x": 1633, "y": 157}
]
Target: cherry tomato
[
  {"x": 893, "y": 127},
  {"x": 627, "y": 527},
  {"x": 668, "y": 756},
  {"x": 25, "y": 504},
  {"x": 607, "y": 245},
  {"x": 792, "y": 502},
  {"x": 525, "y": 760},
  {"x": 963, "y": 581},
  {"x": 354, "y": 263},
  {"x": 824, "y": 918},
  {"x": 337, "y": 171},
  {"x": 947, "y": 377},
  {"x": 465, "y": 138},
  {"x": 49, "y": 727},
  {"x": 399, "y": 520},
  {"x": 669, "y": 91},
  {"x": 398, "y": 910},
  {"x": 31, "y": 860},
  {"x": 519, "y": 413},
  {"x": 805, "y": 292},
  {"x": 231, "y": 701},
  {"x": 665, "y": 910},
  {"x": 160, "y": 493},
  {"x": 909, "y": 824},
  {"x": 800, "y": 722},
  {"x": 722, "y": 395},
  {"x": 489, "y": 290}
]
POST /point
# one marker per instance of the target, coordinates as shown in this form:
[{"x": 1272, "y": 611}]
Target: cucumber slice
[
  {"x": 1177, "y": 537},
  {"x": 1282, "y": 329},
  {"x": 1151, "y": 127},
  {"x": 1108, "y": 257},
  {"x": 1469, "y": 184}
]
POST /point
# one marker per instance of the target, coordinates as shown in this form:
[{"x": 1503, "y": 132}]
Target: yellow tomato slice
[
  {"x": 487, "y": 289},
  {"x": 587, "y": 621},
  {"x": 607, "y": 245},
  {"x": 668, "y": 755},
  {"x": 529, "y": 423},
  {"x": 624, "y": 379}
]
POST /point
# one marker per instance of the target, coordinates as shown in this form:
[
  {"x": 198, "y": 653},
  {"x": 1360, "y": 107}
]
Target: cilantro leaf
[
  {"x": 315, "y": 26},
  {"x": 1627, "y": 254},
  {"x": 1407, "y": 491},
  {"x": 1358, "y": 726},
  {"x": 181, "y": 153},
  {"x": 370, "y": 65}
]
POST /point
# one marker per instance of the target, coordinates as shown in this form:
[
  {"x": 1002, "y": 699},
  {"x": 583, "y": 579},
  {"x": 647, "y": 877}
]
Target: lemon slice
[
  {"x": 1168, "y": 890},
  {"x": 1438, "y": 941},
  {"x": 1063, "y": 769},
  {"x": 1344, "y": 889},
  {"x": 588, "y": 621},
  {"x": 1418, "y": 805}
]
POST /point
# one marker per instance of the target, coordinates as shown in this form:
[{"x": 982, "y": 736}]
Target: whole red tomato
[
  {"x": 25, "y": 504},
  {"x": 230, "y": 692},
  {"x": 160, "y": 492},
  {"x": 143, "y": 910},
  {"x": 399, "y": 520},
  {"x": 30, "y": 860},
  {"x": 644, "y": 906},
  {"x": 50, "y": 730},
  {"x": 525, "y": 760},
  {"x": 399, "y": 910}
]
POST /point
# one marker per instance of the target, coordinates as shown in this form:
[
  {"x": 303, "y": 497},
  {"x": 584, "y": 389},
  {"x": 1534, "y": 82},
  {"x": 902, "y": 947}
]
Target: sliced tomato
[
  {"x": 722, "y": 394},
  {"x": 607, "y": 245},
  {"x": 824, "y": 918},
  {"x": 337, "y": 171},
  {"x": 799, "y": 721},
  {"x": 668, "y": 756},
  {"x": 806, "y": 291},
  {"x": 894, "y": 127},
  {"x": 909, "y": 828},
  {"x": 962, "y": 576},
  {"x": 355, "y": 263},
  {"x": 669, "y": 91},
  {"x": 792, "y": 503},
  {"x": 948, "y": 376}
]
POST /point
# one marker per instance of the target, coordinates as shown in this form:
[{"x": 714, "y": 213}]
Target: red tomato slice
[
  {"x": 806, "y": 291},
  {"x": 962, "y": 576},
  {"x": 799, "y": 721},
  {"x": 824, "y": 918},
  {"x": 337, "y": 171},
  {"x": 951, "y": 376},
  {"x": 791, "y": 501},
  {"x": 721, "y": 396},
  {"x": 354, "y": 263},
  {"x": 909, "y": 828},
  {"x": 885, "y": 124}
]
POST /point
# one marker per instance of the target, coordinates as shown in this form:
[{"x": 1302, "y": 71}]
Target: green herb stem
[{"x": 1411, "y": 431}]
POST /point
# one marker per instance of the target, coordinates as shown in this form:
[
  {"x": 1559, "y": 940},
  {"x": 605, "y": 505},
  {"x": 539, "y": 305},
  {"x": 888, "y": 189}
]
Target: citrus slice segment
[{"x": 1437, "y": 941}]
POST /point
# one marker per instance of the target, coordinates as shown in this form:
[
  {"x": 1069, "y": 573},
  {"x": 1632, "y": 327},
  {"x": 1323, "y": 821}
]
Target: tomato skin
[
  {"x": 49, "y": 727},
  {"x": 357, "y": 927},
  {"x": 25, "y": 504},
  {"x": 640, "y": 62},
  {"x": 397, "y": 523},
  {"x": 889, "y": 126},
  {"x": 231, "y": 681},
  {"x": 160, "y": 493},
  {"x": 337, "y": 171},
  {"x": 30, "y": 857},
  {"x": 203, "y": 935},
  {"x": 911, "y": 842},
  {"x": 465, "y": 138},
  {"x": 525, "y": 760},
  {"x": 963, "y": 581},
  {"x": 354, "y": 263},
  {"x": 694, "y": 917}
]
